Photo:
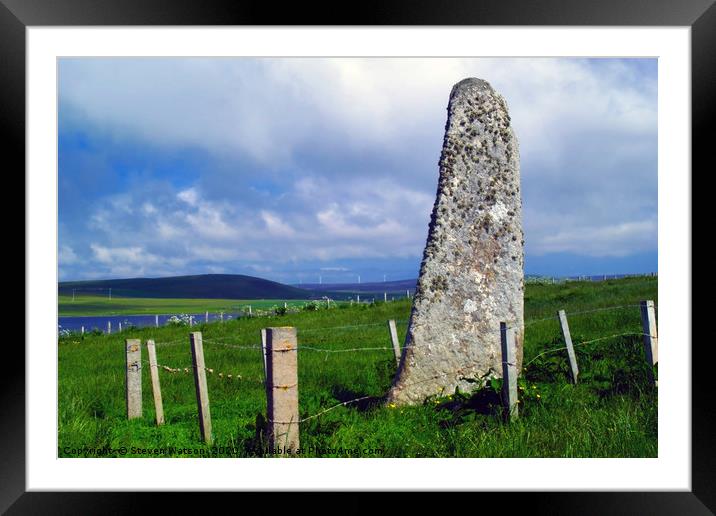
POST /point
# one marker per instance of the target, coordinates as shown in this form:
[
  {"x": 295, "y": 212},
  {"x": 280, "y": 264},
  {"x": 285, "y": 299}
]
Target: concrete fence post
[
  {"x": 568, "y": 343},
  {"x": 263, "y": 351},
  {"x": 282, "y": 388},
  {"x": 133, "y": 378},
  {"x": 651, "y": 339},
  {"x": 202, "y": 393},
  {"x": 156, "y": 388},
  {"x": 394, "y": 340},
  {"x": 509, "y": 371}
]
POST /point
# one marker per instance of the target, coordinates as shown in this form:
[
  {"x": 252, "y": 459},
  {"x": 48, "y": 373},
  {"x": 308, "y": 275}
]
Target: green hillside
[
  {"x": 94, "y": 305},
  {"x": 203, "y": 286},
  {"x": 611, "y": 412}
]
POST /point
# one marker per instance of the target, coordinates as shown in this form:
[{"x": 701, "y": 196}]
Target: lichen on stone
[{"x": 473, "y": 256}]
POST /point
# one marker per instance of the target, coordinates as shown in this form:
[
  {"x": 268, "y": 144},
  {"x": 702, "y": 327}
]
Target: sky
[{"x": 293, "y": 169}]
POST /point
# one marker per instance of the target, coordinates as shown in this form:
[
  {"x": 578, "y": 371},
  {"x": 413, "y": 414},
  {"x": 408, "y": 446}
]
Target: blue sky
[{"x": 293, "y": 168}]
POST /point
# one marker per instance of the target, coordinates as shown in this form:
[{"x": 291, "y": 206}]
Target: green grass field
[
  {"x": 102, "y": 305},
  {"x": 611, "y": 413}
]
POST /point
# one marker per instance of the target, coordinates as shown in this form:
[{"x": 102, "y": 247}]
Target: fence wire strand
[
  {"x": 218, "y": 341},
  {"x": 324, "y": 350},
  {"x": 233, "y": 346},
  {"x": 564, "y": 348},
  {"x": 313, "y": 330},
  {"x": 170, "y": 343},
  {"x": 355, "y": 400}
]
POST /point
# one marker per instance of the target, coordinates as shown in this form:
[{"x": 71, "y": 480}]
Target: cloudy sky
[{"x": 293, "y": 168}]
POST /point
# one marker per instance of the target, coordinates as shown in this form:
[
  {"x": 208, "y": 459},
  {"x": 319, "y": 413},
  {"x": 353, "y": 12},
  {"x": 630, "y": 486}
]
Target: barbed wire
[
  {"x": 439, "y": 375},
  {"x": 385, "y": 348},
  {"x": 526, "y": 323},
  {"x": 312, "y": 330},
  {"x": 228, "y": 339},
  {"x": 186, "y": 370},
  {"x": 303, "y": 420},
  {"x": 563, "y": 348},
  {"x": 233, "y": 346},
  {"x": 361, "y": 398},
  {"x": 530, "y": 322},
  {"x": 170, "y": 343},
  {"x": 355, "y": 400},
  {"x": 167, "y": 368},
  {"x": 602, "y": 309},
  {"x": 324, "y": 350}
]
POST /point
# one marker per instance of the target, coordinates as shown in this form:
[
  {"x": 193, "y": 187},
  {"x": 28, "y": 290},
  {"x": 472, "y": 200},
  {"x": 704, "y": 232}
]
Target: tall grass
[{"x": 612, "y": 412}]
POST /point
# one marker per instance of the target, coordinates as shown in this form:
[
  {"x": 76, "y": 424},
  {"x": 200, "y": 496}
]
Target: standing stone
[{"x": 471, "y": 277}]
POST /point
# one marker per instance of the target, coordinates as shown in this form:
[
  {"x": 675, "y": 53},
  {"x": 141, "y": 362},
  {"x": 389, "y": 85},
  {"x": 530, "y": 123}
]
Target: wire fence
[
  {"x": 227, "y": 343},
  {"x": 584, "y": 343}
]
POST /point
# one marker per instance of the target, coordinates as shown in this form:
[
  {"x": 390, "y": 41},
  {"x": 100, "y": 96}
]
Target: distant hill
[{"x": 204, "y": 286}]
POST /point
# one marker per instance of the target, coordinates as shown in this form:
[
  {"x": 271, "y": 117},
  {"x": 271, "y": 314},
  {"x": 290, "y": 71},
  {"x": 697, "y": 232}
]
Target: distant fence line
[
  {"x": 279, "y": 349},
  {"x": 595, "y": 277},
  {"x": 119, "y": 323},
  {"x": 126, "y": 322}
]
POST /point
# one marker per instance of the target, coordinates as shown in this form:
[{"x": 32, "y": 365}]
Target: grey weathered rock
[{"x": 471, "y": 277}]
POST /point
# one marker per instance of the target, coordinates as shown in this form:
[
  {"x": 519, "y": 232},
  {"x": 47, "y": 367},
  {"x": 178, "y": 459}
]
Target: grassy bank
[
  {"x": 611, "y": 413},
  {"x": 97, "y": 305}
]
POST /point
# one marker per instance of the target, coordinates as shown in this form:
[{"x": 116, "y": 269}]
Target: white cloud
[
  {"x": 166, "y": 231},
  {"x": 132, "y": 261},
  {"x": 275, "y": 226},
  {"x": 210, "y": 221},
  {"x": 67, "y": 256},
  {"x": 326, "y": 224},
  {"x": 270, "y": 108},
  {"x": 119, "y": 254},
  {"x": 349, "y": 148},
  {"x": 616, "y": 240},
  {"x": 189, "y": 196},
  {"x": 338, "y": 223}
]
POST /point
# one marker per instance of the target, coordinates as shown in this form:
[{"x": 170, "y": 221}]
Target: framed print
[{"x": 424, "y": 248}]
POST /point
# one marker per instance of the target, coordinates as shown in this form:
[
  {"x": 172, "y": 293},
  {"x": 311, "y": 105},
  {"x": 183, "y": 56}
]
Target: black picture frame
[{"x": 700, "y": 15}]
